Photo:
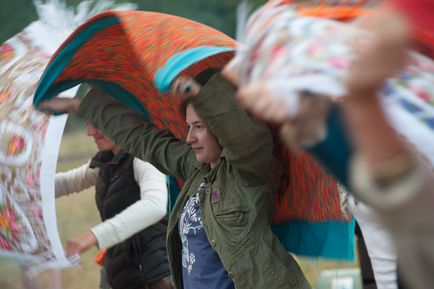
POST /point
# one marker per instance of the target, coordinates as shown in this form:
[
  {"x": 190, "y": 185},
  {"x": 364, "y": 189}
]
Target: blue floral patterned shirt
[{"x": 201, "y": 266}]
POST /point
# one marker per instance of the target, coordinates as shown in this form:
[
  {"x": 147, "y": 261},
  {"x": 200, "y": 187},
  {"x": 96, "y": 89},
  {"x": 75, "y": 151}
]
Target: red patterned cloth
[
  {"x": 134, "y": 47},
  {"x": 130, "y": 52}
]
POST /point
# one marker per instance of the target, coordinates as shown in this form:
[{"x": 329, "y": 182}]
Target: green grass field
[{"x": 77, "y": 213}]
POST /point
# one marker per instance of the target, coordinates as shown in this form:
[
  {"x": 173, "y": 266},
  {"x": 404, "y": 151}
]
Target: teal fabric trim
[
  {"x": 115, "y": 90},
  {"x": 335, "y": 152},
  {"x": 118, "y": 92},
  {"x": 179, "y": 62},
  {"x": 174, "y": 190},
  {"x": 331, "y": 239},
  {"x": 63, "y": 58}
]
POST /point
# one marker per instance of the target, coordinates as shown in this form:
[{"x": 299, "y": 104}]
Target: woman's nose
[{"x": 191, "y": 138}]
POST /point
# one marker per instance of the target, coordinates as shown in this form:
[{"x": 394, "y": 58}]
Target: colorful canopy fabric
[
  {"x": 135, "y": 53},
  {"x": 134, "y": 56},
  {"x": 125, "y": 52}
]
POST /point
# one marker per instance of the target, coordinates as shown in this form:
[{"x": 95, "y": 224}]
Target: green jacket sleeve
[
  {"x": 136, "y": 135},
  {"x": 247, "y": 144}
]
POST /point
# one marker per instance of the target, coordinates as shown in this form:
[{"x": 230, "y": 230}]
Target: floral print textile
[{"x": 26, "y": 200}]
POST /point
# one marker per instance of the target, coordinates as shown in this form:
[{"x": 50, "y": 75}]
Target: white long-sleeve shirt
[
  {"x": 379, "y": 244},
  {"x": 147, "y": 211}
]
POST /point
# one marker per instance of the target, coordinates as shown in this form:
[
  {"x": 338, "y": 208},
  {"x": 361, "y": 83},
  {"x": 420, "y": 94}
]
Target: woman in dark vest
[{"x": 131, "y": 197}]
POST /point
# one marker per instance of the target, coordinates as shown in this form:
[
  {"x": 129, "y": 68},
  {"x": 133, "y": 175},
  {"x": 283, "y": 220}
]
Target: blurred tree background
[{"x": 220, "y": 14}]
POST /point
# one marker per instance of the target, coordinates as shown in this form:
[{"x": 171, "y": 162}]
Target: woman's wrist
[{"x": 391, "y": 170}]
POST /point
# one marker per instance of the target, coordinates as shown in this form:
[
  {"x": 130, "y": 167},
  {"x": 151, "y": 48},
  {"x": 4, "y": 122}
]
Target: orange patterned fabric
[
  {"x": 310, "y": 195},
  {"x": 131, "y": 52}
]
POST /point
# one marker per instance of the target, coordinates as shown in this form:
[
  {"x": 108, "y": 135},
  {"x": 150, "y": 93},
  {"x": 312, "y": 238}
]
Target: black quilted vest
[{"x": 141, "y": 259}]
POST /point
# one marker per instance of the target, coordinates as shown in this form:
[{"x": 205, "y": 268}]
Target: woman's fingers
[
  {"x": 184, "y": 87},
  {"x": 80, "y": 243}
]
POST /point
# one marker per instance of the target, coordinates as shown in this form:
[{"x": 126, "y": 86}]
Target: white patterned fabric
[
  {"x": 29, "y": 139},
  {"x": 292, "y": 54},
  {"x": 28, "y": 154}
]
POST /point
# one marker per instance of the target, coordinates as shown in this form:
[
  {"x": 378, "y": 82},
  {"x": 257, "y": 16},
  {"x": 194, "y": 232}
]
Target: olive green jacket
[{"x": 237, "y": 202}]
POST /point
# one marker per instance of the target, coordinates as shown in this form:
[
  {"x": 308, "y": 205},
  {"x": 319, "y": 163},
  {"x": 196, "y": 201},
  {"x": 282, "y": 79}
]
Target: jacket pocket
[
  {"x": 233, "y": 217},
  {"x": 233, "y": 223}
]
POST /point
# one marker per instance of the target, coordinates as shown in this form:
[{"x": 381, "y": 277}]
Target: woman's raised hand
[
  {"x": 184, "y": 87},
  {"x": 59, "y": 105},
  {"x": 383, "y": 56}
]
